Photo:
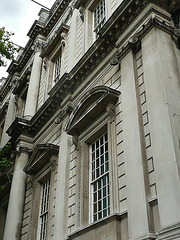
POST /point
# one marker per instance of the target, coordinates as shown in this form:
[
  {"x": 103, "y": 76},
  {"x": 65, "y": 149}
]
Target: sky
[{"x": 17, "y": 16}]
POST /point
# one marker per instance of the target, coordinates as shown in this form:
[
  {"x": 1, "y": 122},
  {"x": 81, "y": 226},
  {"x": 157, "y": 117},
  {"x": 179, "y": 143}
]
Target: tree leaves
[
  {"x": 7, "y": 48},
  {"x": 4, "y": 157}
]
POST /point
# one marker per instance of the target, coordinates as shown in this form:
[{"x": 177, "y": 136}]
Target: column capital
[
  {"x": 38, "y": 45},
  {"x": 22, "y": 149}
]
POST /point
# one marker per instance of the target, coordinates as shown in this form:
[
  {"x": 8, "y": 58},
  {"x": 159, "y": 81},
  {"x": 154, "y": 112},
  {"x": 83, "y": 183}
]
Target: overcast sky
[{"x": 18, "y": 16}]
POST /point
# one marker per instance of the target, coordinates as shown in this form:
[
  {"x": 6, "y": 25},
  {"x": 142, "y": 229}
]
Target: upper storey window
[
  {"x": 99, "y": 16},
  {"x": 57, "y": 68}
]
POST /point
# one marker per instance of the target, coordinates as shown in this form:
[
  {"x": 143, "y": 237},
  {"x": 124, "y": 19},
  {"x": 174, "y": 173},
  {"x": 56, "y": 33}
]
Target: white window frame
[
  {"x": 99, "y": 15},
  {"x": 57, "y": 68},
  {"x": 44, "y": 210},
  {"x": 99, "y": 178}
]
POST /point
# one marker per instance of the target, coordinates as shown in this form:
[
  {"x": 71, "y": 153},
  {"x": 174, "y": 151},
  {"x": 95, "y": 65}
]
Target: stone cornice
[
  {"x": 6, "y": 88},
  {"x": 17, "y": 66}
]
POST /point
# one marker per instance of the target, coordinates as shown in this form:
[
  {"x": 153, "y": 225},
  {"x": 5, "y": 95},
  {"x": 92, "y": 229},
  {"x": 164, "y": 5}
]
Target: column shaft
[
  {"x": 16, "y": 200},
  {"x": 33, "y": 89}
]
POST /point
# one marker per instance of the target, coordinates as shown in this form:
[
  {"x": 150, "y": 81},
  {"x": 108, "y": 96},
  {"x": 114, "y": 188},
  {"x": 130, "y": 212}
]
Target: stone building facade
[{"x": 91, "y": 108}]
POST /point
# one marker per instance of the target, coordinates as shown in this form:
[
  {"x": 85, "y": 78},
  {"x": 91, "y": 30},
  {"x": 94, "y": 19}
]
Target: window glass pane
[
  {"x": 99, "y": 15},
  {"x": 44, "y": 210},
  {"x": 100, "y": 165}
]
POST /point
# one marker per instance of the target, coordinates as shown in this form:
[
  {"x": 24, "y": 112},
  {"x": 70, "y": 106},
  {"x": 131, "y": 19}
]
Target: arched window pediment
[{"x": 92, "y": 105}]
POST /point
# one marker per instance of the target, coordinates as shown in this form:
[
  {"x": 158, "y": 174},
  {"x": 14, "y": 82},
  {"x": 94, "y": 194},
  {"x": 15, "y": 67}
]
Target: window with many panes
[
  {"x": 99, "y": 16},
  {"x": 57, "y": 68},
  {"x": 100, "y": 178},
  {"x": 44, "y": 210}
]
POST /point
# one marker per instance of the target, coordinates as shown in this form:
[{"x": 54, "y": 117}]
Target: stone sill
[{"x": 95, "y": 225}]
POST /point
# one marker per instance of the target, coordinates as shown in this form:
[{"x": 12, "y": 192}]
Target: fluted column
[
  {"x": 16, "y": 199},
  {"x": 9, "y": 120},
  {"x": 33, "y": 89}
]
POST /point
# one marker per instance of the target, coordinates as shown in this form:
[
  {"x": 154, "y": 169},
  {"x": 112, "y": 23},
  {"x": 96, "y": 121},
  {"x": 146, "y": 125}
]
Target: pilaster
[
  {"x": 134, "y": 155},
  {"x": 62, "y": 184},
  {"x": 162, "y": 88}
]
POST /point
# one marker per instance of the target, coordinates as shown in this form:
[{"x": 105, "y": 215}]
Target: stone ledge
[{"x": 93, "y": 226}]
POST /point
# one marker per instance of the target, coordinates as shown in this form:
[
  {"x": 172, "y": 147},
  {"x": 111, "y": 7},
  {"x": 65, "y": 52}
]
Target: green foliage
[
  {"x": 4, "y": 155},
  {"x": 2, "y": 187},
  {"x": 7, "y": 48}
]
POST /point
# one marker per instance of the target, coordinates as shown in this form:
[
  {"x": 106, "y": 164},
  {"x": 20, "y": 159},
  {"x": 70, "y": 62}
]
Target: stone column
[
  {"x": 16, "y": 199},
  {"x": 134, "y": 155},
  {"x": 161, "y": 77},
  {"x": 62, "y": 184},
  {"x": 9, "y": 119},
  {"x": 33, "y": 89}
]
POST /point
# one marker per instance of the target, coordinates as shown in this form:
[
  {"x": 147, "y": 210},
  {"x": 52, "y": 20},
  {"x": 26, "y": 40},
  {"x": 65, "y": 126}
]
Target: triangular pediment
[
  {"x": 92, "y": 105},
  {"x": 40, "y": 157}
]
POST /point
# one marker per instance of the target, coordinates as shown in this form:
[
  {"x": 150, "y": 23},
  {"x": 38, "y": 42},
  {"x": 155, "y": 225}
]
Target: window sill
[{"x": 91, "y": 228}]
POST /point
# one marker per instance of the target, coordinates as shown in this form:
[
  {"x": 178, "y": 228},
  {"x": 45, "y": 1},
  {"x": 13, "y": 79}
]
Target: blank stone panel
[
  {"x": 145, "y": 118},
  {"x": 122, "y": 194},
  {"x": 121, "y": 170},
  {"x": 140, "y": 71},
  {"x": 139, "y": 62},
  {"x": 123, "y": 205},
  {"x": 143, "y": 98},
  {"x": 141, "y": 79},
  {"x": 122, "y": 181},
  {"x": 152, "y": 179},
  {"x": 150, "y": 165},
  {"x": 153, "y": 190},
  {"x": 148, "y": 140}
]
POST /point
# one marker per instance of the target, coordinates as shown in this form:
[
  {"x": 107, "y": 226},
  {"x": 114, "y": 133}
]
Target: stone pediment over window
[
  {"x": 58, "y": 36},
  {"x": 42, "y": 156},
  {"x": 90, "y": 108}
]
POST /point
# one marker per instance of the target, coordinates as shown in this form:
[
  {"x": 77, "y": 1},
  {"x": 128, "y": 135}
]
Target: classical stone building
[{"x": 91, "y": 108}]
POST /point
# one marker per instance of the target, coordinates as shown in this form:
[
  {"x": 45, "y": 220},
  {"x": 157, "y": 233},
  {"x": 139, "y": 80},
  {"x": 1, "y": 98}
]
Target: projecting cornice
[{"x": 42, "y": 154}]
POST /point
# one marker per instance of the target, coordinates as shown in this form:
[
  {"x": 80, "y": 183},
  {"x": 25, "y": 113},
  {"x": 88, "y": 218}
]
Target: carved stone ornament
[
  {"x": 81, "y": 13},
  {"x": 38, "y": 45},
  {"x": 31, "y": 180},
  {"x": 75, "y": 140},
  {"x": 63, "y": 38},
  {"x": 53, "y": 161},
  {"x": 111, "y": 110},
  {"x": 22, "y": 149},
  {"x": 114, "y": 61},
  {"x": 45, "y": 63}
]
